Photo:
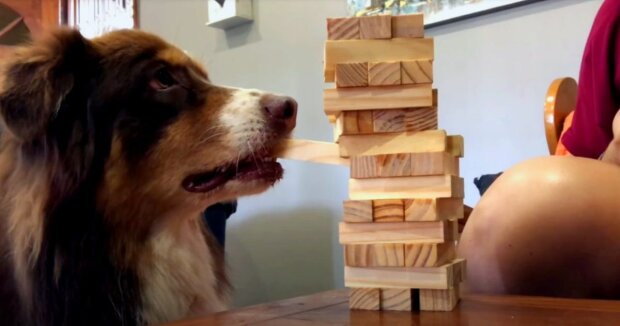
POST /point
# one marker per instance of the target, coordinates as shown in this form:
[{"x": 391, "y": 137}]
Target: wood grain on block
[
  {"x": 441, "y": 278},
  {"x": 429, "y": 255},
  {"x": 460, "y": 270},
  {"x": 388, "y": 210},
  {"x": 356, "y": 122},
  {"x": 380, "y": 144},
  {"x": 375, "y": 255},
  {"x": 417, "y": 71},
  {"x": 348, "y": 51},
  {"x": 433, "y": 163},
  {"x": 338, "y": 128},
  {"x": 408, "y": 26},
  {"x": 352, "y": 74},
  {"x": 384, "y": 74},
  {"x": 379, "y": 97},
  {"x": 458, "y": 187},
  {"x": 356, "y": 211},
  {"x": 451, "y": 231},
  {"x": 396, "y": 232},
  {"x": 365, "y": 299},
  {"x": 397, "y": 299},
  {"x": 375, "y": 27},
  {"x": 456, "y": 145},
  {"x": 343, "y": 28},
  {"x": 439, "y": 300},
  {"x": 433, "y": 186},
  {"x": 388, "y": 165},
  {"x": 402, "y": 120},
  {"x": 312, "y": 151},
  {"x": 433, "y": 209}
]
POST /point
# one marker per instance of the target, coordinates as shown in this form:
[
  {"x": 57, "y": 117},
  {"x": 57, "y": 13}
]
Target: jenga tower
[{"x": 399, "y": 230}]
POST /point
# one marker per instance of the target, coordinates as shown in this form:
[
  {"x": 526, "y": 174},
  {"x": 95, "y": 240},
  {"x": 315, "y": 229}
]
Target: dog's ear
[{"x": 38, "y": 77}]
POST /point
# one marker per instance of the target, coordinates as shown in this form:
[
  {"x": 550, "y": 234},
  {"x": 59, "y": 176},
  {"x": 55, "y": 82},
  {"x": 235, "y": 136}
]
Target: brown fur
[{"x": 92, "y": 159}]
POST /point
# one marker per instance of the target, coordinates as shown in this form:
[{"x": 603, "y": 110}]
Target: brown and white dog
[{"x": 110, "y": 150}]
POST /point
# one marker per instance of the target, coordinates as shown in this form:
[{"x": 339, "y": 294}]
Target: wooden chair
[
  {"x": 559, "y": 103},
  {"x": 33, "y": 17}
]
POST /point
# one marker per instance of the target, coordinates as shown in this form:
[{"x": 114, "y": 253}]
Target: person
[
  {"x": 551, "y": 226},
  {"x": 598, "y": 99}
]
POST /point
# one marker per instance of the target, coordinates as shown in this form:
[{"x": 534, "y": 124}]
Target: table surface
[{"x": 331, "y": 308}]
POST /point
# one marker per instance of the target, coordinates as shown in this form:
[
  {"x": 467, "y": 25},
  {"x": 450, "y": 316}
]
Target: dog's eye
[{"x": 162, "y": 80}]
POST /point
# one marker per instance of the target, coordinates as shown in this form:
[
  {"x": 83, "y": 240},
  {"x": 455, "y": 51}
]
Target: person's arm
[
  {"x": 599, "y": 87},
  {"x": 612, "y": 153}
]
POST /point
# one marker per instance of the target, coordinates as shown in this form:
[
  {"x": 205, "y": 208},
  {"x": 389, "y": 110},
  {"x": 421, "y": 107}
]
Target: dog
[{"x": 110, "y": 150}]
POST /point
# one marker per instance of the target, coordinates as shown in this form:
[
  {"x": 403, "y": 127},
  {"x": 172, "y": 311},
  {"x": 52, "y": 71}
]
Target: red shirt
[{"x": 598, "y": 96}]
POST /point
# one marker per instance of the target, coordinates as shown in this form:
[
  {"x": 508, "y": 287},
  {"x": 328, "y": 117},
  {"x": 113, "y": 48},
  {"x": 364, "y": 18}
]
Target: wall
[{"x": 492, "y": 73}]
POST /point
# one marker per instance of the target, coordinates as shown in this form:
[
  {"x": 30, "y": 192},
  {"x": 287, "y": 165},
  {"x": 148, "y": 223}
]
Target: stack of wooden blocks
[{"x": 400, "y": 225}]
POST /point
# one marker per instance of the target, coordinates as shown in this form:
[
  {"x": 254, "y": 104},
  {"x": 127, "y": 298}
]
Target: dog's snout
[{"x": 281, "y": 110}]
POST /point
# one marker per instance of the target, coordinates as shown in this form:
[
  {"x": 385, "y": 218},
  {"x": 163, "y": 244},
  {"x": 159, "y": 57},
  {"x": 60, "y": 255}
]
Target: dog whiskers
[
  {"x": 252, "y": 153},
  {"x": 202, "y": 141}
]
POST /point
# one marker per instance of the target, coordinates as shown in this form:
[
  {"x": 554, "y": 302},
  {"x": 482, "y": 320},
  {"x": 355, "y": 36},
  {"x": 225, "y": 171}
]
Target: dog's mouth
[{"x": 261, "y": 168}]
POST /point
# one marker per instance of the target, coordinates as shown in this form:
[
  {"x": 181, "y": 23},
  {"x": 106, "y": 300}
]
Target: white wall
[{"x": 492, "y": 73}]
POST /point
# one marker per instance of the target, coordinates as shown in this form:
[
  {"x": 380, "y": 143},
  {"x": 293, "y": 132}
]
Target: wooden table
[{"x": 331, "y": 308}]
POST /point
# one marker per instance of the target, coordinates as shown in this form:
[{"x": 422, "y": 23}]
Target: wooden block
[
  {"x": 456, "y": 145},
  {"x": 356, "y": 122},
  {"x": 433, "y": 163},
  {"x": 343, "y": 28},
  {"x": 458, "y": 187},
  {"x": 384, "y": 74},
  {"x": 332, "y": 117},
  {"x": 441, "y": 278},
  {"x": 450, "y": 230},
  {"x": 356, "y": 211},
  {"x": 434, "y": 186},
  {"x": 389, "y": 165},
  {"x": 338, "y": 128},
  {"x": 365, "y": 299},
  {"x": 439, "y": 209},
  {"x": 368, "y": 98},
  {"x": 375, "y": 255},
  {"x": 375, "y": 27},
  {"x": 352, "y": 74},
  {"x": 396, "y": 232},
  {"x": 417, "y": 71},
  {"x": 439, "y": 300},
  {"x": 400, "y": 49},
  {"x": 402, "y": 120},
  {"x": 429, "y": 255},
  {"x": 380, "y": 144},
  {"x": 311, "y": 151},
  {"x": 353, "y": 123},
  {"x": 408, "y": 26},
  {"x": 397, "y": 299},
  {"x": 388, "y": 210},
  {"x": 460, "y": 270},
  {"x": 415, "y": 210}
]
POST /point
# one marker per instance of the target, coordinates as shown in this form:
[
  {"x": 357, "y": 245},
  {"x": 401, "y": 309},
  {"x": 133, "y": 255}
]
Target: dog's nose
[{"x": 281, "y": 109}]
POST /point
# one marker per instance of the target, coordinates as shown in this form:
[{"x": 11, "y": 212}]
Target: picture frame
[{"x": 443, "y": 12}]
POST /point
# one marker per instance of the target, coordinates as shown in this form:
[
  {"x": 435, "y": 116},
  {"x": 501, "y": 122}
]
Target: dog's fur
[{"x": 97, "y": 226}]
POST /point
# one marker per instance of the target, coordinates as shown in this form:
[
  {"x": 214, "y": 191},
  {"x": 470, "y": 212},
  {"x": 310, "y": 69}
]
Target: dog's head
[{"x": 140, "y": 121}]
